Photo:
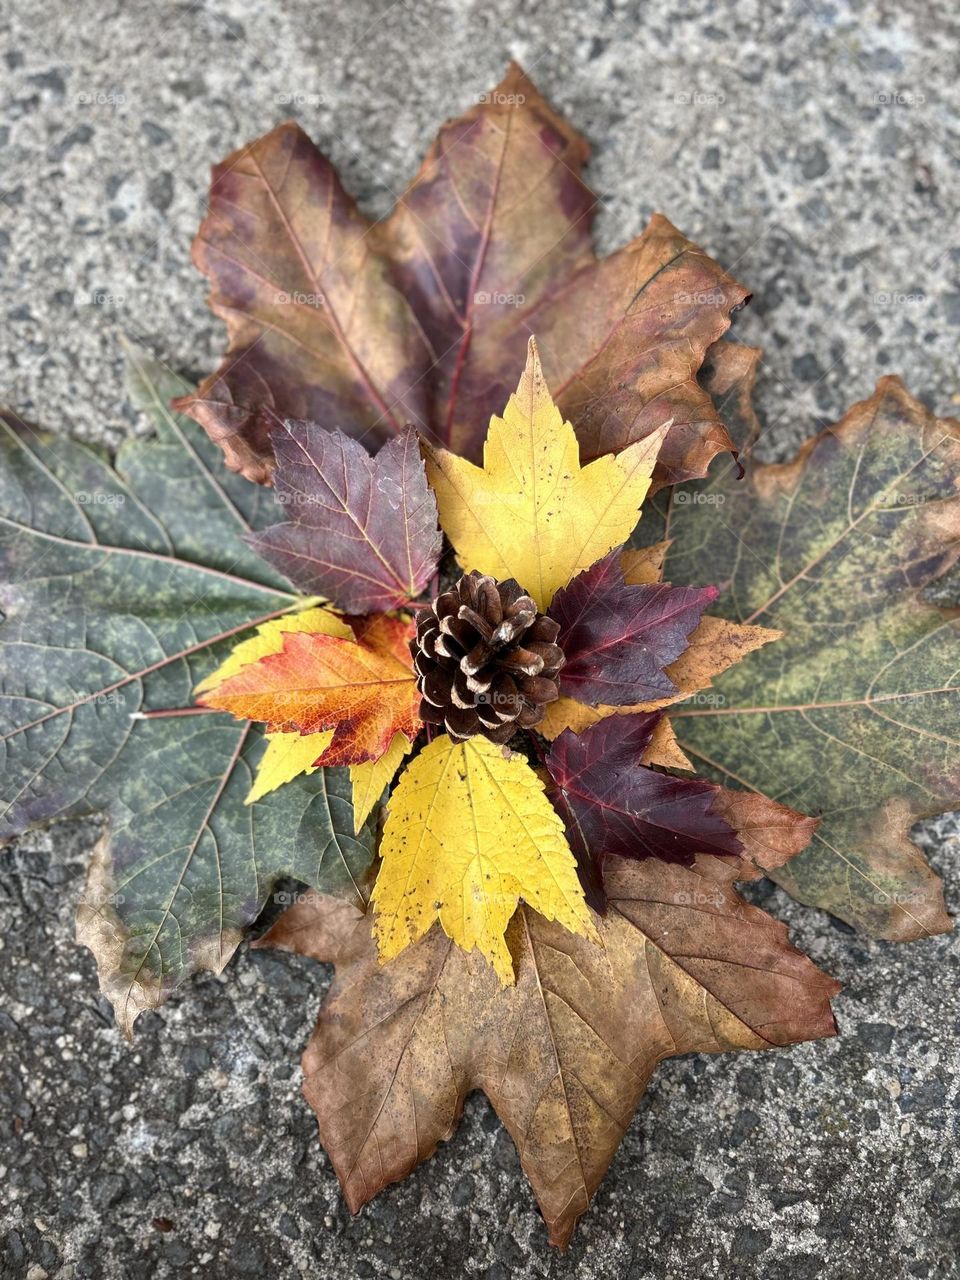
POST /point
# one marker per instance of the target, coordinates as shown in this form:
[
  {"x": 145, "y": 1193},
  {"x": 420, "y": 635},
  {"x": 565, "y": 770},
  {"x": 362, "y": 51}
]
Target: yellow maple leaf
[
  {"x": 268, "y": 639},
  {"x": 531, "y": 512},
  {"x": 286, "y": 757},
  {"x": 370, "y": 778},
  {"x": 287, "y": 754},
  {"x": 469, "y": 833},
  {"x": 290, "y": 754}
]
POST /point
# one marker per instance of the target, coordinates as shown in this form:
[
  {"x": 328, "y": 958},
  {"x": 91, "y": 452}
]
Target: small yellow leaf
[
  {"x": 371, "y": 777},
  {"x": 469, "y": 833},
  {"x": 286, "y": 757},
  {"x": 531, "y": 512},
  {"x": 268, "y": 639}
]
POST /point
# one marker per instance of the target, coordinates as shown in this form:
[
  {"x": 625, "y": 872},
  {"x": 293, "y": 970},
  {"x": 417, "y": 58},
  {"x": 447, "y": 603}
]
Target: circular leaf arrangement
[{"x": 260, "y": 682}]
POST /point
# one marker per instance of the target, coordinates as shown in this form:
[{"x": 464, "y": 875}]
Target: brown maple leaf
[
  {"x": 565, "y": 1054},
  {"x": 424, "y": 318}
]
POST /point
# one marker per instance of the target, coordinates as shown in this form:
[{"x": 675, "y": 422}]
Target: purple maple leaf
[
  {"x": 361, "y": 531},
  {"x": 612, "y": 804},
  {"x": 618, "y": 638}
]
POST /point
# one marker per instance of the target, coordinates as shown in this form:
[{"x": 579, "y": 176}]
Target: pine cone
[{"x": 486, "y": 660}]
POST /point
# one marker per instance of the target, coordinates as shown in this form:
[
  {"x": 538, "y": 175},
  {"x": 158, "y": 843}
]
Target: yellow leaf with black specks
[
  {"x": 469, "y": 833},
  {"x": 369, "y": 779}
]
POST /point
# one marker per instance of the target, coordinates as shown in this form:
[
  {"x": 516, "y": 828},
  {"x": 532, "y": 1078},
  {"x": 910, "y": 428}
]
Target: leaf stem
[{"x": 167, "y": 712}]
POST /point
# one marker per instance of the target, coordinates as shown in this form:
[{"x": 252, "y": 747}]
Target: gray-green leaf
[
  {"x": 853, "y": 716},
  {"x": 121, "y": 587}
]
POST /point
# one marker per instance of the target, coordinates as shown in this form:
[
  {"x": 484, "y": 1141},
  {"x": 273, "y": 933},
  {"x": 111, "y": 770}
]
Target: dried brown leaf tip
[{"x": 424, "y": 318}]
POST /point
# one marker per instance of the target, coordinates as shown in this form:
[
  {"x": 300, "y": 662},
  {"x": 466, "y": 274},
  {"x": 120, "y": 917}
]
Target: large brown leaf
[
  {"x": 565, "y": 1055},
  {"x": 425, "y": 317},
  {"x": 496, "y": 218},
  {"x": 317, "y": 326}
]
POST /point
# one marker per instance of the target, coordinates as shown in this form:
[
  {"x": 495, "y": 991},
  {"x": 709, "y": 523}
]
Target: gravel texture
[{"x": 813, "y": 148}]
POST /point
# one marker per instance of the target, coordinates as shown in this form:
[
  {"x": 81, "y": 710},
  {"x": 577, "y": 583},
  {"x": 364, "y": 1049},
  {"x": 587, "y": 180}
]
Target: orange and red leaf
[{"x": 363, "y": 688}]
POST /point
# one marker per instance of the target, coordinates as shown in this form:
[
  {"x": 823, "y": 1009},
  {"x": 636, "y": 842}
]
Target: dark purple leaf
[
  {"x": 362, "y": 530},
  {"x": 619, "y": 638},
  {"x": 611, "y": 804}
]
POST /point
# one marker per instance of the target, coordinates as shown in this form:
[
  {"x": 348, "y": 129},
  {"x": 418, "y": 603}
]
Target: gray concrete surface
[{"x": 814, "y": 149}]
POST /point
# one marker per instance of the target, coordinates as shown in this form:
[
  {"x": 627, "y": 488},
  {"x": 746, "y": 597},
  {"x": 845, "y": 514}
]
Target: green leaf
[
  {"x": 855, "y": 714},
  {"x": 121, "y": 587}
]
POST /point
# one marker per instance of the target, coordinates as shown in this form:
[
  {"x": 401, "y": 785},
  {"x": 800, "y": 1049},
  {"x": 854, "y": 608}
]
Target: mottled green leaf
[
  {"x": 121, "y": 587},
  {"x": 855, "y": 714}
]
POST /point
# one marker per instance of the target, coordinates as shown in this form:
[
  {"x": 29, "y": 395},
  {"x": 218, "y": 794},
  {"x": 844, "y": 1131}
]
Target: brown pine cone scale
[{"x": 486, "y": 660}]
